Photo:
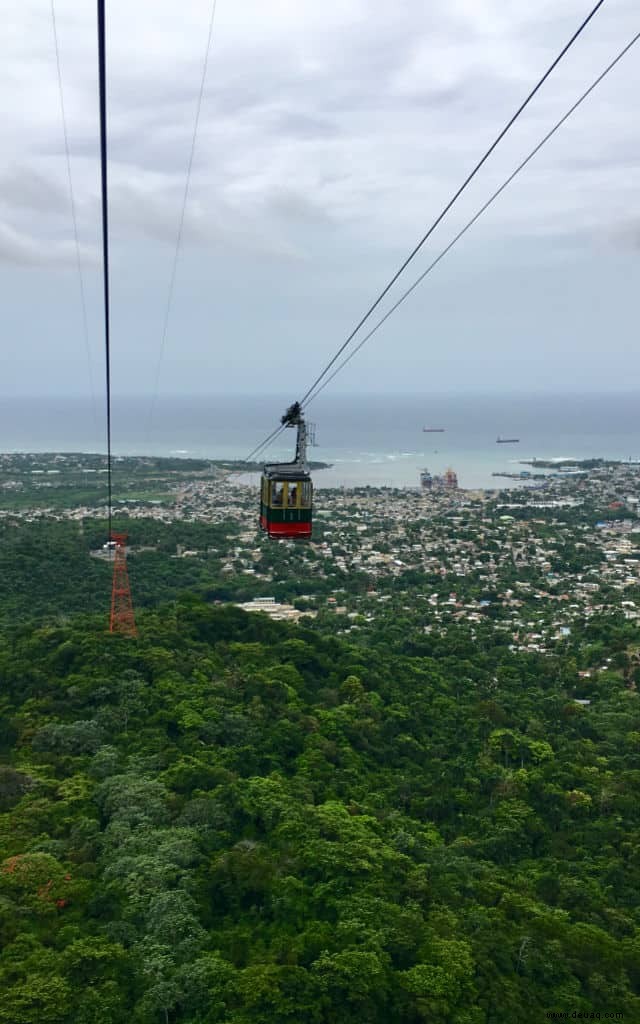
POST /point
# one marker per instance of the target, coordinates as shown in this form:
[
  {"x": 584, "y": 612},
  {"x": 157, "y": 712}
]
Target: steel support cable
[
  {"x": 476, "y": 216},
  {"x": 102, "y": 81},
  {"x": 443, "y": 213},
  {"x": 456, "y": 195},
  {"x": 267, "y": 441},
  {"x": 178, "y": 246},
  {"x": 74, "y": 219}
]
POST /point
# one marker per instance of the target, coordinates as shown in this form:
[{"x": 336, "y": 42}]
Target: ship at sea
[
  {"x": 507, "y": 440},
  {"x": 433, "y": 430}
]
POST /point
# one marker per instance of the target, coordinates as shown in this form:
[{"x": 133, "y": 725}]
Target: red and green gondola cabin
[{"x": 286, "y": 501}]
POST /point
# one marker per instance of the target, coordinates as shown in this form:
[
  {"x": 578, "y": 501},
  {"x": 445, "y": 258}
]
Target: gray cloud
[
  {"x": 330, "y": 136},
  {"x": 31, "y": 189},
  {"x": 24, "y": 250},
  {"x": 625, "y": 234},
  {"x": 379, "y": 94},
  {"x": 206, "y": 223},
  {"x": 295, "y": 205},
  {"x": 298, "y": 125}
]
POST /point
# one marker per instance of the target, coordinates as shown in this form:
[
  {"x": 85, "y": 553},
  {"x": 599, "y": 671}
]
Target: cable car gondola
[{"x": 286, "y": 492}]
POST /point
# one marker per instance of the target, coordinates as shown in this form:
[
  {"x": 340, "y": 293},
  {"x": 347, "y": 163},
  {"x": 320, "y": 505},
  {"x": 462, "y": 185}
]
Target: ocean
[{"x": 376, "y": 439}]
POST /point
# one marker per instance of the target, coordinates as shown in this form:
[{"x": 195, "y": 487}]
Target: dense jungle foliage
[
  {"x": 235, "y": 820},
  {"x": 48, "y": 572}
]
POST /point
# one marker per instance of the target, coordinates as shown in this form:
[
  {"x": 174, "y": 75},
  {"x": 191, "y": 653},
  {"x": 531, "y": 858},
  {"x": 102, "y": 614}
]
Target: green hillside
[{"x": 234, "y": 820}]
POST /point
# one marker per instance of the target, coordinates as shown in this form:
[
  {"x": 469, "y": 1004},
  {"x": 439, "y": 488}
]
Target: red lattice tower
[{"x": 122, "y": 618}]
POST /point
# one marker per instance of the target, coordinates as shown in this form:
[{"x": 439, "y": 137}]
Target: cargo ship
[
  {"x": 507, "y": 440},
  {"x": 433, "y": 430}
]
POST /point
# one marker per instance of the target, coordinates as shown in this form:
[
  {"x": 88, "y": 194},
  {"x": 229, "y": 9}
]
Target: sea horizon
[{"x": 374, "y": 440}]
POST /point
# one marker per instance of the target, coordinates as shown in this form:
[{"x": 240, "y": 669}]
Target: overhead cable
[
  {"x": 102, "y": 81},
  {"x": 476, "y": 216},
  {"x": 414, "y": 252},
  {"x": 74, "y": 219},
  {"x": 183, "y": 210},
  {"x": 441, "y": 215},
  {"x": 267, "y": 441}
]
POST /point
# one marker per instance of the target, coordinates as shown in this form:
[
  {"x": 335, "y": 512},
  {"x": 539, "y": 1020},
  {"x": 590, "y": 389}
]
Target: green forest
[{"x": 237, "y": 821}]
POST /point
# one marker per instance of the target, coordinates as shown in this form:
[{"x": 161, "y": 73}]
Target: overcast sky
[{"x": 331, "y": 135}]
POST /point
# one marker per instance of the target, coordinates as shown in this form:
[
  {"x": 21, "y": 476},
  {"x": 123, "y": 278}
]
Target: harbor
[{"x": 522, "y": 475}]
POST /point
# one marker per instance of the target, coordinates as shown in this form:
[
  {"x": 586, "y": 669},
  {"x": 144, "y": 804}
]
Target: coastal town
[{"x": 529, "y": 562}]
